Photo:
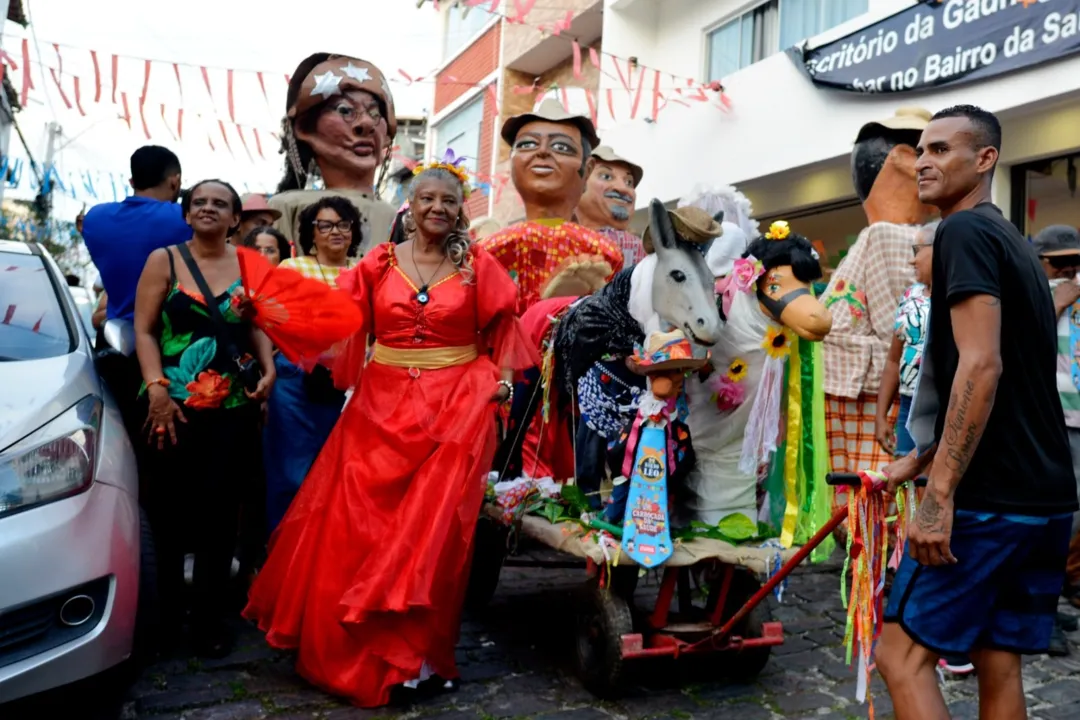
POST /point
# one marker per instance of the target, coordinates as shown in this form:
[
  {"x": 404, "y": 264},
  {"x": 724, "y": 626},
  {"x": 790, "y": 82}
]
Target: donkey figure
[{"x": 588, "y": 341}]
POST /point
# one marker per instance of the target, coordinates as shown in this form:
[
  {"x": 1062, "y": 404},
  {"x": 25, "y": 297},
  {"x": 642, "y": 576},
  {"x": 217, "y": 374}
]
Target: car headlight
[{"x": 53, "y": 462}]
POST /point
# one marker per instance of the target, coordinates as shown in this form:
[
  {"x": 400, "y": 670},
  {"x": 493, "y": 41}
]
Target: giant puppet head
[
  {"x": 550, "y": 148},
  {"x": 339, "y": 123},
  {"x": 883, "y": 168},
  {"x": 610, "y": 191}
]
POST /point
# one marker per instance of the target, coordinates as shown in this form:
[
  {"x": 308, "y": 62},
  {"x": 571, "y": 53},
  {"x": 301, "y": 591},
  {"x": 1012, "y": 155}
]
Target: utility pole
[{"x": 43, "y": 201}]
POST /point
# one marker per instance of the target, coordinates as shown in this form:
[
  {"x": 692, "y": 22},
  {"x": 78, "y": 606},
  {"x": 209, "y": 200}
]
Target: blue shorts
[{"x": 1001, "y": 594}]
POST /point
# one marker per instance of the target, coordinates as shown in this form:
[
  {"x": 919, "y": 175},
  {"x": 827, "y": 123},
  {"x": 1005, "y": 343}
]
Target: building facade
[
  {"x": 494, "y": 68},
  {"x": 786, "y": 141}
]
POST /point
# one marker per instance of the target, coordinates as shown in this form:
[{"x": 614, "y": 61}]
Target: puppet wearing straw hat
[{"x": 655, "y": 448}]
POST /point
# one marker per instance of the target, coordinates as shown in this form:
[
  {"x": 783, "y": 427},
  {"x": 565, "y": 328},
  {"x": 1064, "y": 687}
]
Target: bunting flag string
[
  {"x": 97, "y": 76},
  {"x": 631, "y": 76},
  {"x": 560, "y": 29}
]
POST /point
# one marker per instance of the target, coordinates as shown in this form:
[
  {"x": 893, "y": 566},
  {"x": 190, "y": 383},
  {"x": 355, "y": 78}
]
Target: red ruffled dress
[{"x": 366, "y": 574}]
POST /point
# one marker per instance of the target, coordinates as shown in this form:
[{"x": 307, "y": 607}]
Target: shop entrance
[{"x": 1044, "y": 193}]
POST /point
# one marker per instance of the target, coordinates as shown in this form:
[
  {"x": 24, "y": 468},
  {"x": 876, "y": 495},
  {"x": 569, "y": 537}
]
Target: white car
[{"x": 76, "y": 559}]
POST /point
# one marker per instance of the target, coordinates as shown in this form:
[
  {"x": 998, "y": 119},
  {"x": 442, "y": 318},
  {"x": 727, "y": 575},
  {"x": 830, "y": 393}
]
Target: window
[
  {"x": 34, "y": 325},
  {"x": 743, "y": 41},
  {"x": 802, "y": 19},
  {"x": 461, "y": 24},
  {"x": 461, "y": 133},
  {"x": 771, "y": 27}
]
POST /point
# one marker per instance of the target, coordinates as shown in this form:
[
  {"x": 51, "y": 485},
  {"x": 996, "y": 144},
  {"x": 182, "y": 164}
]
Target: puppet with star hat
[
  {"x": 339, "y": 127},
  {"x": 547, "y": 254}
]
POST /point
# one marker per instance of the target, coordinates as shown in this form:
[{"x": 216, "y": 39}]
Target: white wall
[{"x": 779, "y": 120}]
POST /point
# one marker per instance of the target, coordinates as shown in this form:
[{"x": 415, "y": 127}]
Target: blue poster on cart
[{"x": 646, "y": 531}]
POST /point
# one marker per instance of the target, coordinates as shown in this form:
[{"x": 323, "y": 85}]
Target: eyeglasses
[
  {"x": 916, "y": 248},
  {"x": 326, "y": 227}
]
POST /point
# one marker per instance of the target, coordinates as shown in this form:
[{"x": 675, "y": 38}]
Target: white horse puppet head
[{"x": 683, "y": 288}]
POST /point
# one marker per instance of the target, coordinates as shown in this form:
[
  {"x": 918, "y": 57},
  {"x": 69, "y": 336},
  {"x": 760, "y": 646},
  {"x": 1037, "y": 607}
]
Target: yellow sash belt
[{"x": 424, "y": 358}]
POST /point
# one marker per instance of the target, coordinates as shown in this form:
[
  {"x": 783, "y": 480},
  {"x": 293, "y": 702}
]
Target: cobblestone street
[{"x": 517, "y": 658}]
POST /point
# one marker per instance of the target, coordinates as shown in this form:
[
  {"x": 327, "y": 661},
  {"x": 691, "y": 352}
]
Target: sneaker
[{"x": 956, "y": 665}]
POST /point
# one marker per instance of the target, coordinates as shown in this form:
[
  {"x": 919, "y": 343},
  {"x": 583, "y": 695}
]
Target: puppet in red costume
[{"x": 552, "y": 260}]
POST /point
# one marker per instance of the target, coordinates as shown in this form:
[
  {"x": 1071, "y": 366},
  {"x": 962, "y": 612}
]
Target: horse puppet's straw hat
[{"x": 692, "y": 224}]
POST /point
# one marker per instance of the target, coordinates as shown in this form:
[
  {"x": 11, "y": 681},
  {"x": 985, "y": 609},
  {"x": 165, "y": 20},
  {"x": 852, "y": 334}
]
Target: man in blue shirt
[{"x": 121, "y": 235}]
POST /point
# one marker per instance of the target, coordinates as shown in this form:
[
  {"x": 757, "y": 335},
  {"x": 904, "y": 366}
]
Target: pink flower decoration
[
  {"x": 744, "y": 274},
  {"x": 727, "y": 394}
]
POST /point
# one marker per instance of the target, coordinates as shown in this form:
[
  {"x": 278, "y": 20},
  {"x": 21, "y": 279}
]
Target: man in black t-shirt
[{"x": 987, "y": 547}]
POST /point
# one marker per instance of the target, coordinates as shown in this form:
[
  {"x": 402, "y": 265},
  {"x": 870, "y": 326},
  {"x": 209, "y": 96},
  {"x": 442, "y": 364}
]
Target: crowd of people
[{"x": 348, "y": 489}]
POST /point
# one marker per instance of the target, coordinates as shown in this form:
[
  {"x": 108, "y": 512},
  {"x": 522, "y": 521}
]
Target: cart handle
[{"x": 853, "y": 479}]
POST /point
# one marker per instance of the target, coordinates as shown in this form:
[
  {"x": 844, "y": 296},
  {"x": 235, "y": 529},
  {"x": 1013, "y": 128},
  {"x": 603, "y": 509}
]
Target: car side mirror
[{"x": 120, "y": 336}]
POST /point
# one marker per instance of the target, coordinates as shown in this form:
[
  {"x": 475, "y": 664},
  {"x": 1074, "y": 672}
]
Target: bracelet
[
  {"x": 163, "y": 382},
  {"x": 509, "y": 388}
]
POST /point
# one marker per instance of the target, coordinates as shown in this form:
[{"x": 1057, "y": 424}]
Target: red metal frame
[{"x": 658, "y": 643}]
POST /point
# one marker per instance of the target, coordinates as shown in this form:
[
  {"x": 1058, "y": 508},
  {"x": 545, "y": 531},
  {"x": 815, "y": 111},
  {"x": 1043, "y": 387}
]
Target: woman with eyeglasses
[
  {"x": 304, "y": 406},
  {"x": 905, "y": 353}
]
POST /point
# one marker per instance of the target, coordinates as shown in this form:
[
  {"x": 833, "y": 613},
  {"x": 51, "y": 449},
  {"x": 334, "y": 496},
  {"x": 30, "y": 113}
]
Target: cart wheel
[
  {"x": 602, "y": 622},
  {"x": 746, "y": 664},
  {"x": 489, "y": 552}
]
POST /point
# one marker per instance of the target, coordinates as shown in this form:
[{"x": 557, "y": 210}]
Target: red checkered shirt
[
  {"x": 633, "y": 250},
  {"x": 863, "y": 295}
]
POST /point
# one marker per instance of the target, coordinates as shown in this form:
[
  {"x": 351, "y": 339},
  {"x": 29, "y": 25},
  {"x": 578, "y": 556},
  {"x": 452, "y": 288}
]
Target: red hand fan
[{"x": 303, "y": 317}]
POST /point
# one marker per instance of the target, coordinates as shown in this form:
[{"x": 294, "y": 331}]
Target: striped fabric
[
  {"x": 1070, "y": 397},
  {"x": 309, "y": 267}
]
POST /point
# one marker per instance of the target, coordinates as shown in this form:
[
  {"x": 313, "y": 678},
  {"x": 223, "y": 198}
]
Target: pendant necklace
[{"x": 422, "y": 296}]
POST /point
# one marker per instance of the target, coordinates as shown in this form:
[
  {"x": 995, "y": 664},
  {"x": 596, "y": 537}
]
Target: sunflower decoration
[
  {"x": 779, "y": 230},
  {"x": 777, "y": 342},
  {"x": 736, "y": 371}
]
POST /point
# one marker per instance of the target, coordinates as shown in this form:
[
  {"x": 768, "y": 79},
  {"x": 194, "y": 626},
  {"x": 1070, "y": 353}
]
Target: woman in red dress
[{"x": 366, "y": 574}]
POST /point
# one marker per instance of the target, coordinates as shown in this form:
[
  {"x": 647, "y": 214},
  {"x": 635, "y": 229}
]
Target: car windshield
[{"x": 32, "y": 322}]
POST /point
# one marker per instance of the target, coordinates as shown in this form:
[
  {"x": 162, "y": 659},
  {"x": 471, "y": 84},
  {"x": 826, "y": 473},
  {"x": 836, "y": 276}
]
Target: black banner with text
[{"x": 945, "y": 42}]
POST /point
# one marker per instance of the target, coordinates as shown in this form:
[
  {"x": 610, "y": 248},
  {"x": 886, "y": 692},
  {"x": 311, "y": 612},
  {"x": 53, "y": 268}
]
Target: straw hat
[
  {"x": 323, "y": 75},
  {"x": 692, "y": 224},
  {"x": 606, "y": 154},
  {"x": 667, "y": 351},
  {"x": 550, "y": 110},
  {"x": 906, "y": 118}
]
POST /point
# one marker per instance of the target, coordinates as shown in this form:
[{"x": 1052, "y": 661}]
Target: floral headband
[{"x": 451, "y": 164}]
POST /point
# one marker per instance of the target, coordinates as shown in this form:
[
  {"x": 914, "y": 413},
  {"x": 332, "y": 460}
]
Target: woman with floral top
[
  {"x": 905, "y": 353},
  {"x": 304, "y": 406},
  {"x": 202, "y": 409}
]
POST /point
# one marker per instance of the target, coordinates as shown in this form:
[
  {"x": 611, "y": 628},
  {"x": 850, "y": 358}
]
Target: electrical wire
[{"x": 41, "y": 63}]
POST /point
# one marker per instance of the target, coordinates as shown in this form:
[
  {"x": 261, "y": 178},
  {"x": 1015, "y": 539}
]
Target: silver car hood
[{"x": 33, "y": 392}]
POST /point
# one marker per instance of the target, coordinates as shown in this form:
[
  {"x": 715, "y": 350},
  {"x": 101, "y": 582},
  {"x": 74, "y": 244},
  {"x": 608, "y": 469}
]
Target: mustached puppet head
[{"x": 883, "y": 168}]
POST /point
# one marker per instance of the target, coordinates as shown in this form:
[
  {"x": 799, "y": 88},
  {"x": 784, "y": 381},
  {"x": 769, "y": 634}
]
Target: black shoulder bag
[{"x": 247, "y": 370}]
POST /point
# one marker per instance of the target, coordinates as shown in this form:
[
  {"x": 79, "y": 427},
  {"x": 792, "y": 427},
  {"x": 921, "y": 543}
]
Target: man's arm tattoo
[
  {"x": 930, "y": 516},
  {"x": 961, "y": 436},
  {"x": 991, "y": 301}
]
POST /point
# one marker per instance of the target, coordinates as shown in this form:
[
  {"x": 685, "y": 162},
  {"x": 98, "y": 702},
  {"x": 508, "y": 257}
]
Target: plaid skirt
[{"x": 849, "y": 427}]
